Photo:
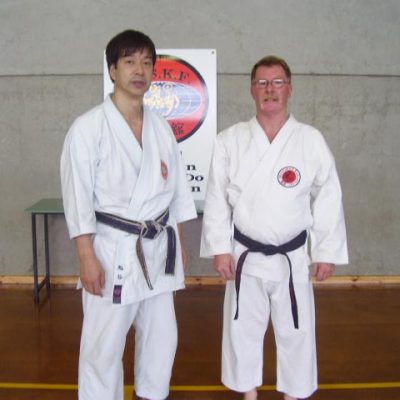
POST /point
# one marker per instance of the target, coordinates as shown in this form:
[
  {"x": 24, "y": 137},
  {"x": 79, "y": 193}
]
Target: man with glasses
[{"x": 273, "y": 193}]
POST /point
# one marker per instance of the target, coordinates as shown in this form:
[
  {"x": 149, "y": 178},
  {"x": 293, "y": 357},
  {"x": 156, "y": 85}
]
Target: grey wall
[{"x": 345, "y": 56}]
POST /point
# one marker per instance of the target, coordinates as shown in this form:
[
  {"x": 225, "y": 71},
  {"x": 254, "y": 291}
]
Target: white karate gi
[
  {"x": 103, "y": 168},
  {"x": 248, "y": 187}
]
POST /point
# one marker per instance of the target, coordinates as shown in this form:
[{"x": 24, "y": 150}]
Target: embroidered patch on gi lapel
[
  {"x": 164, "y": 170},
  {"x": 289, "y": 177}
]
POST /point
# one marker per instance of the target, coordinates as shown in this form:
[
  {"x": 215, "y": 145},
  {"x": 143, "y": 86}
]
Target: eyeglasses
[{"x": 275, "y": 83}]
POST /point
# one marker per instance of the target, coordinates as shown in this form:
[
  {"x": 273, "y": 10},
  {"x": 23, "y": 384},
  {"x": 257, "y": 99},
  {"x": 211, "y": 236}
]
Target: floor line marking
[{"x": 204, "y": 388}]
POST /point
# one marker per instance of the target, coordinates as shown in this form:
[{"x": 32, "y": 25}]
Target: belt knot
[{"x": 149, "y": 229}]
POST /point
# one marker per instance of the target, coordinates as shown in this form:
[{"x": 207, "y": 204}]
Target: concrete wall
[{"x": 345, "y": 56}]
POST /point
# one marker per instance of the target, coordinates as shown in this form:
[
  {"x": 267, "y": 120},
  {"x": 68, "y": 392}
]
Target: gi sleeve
[
  {"x": 77, "y": 169},
  {"x": 216, "y": 237},
  {"x": 328, "y": 232},
  {"x": 182, "y": 205}
]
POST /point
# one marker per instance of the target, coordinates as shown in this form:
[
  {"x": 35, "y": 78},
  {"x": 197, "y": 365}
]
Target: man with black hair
[{"x": 125, "y": 195}]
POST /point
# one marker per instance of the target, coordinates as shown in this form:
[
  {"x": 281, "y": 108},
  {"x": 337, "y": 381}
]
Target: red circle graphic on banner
[{"x": 178, "y": 92}]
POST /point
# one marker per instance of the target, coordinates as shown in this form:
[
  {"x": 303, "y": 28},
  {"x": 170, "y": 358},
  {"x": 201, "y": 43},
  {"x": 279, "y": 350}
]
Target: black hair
[{"x": 126, "y": 43}]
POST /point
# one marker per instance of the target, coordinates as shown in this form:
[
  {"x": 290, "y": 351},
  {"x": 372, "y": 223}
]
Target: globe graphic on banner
[{"x": 179, "y": 94}]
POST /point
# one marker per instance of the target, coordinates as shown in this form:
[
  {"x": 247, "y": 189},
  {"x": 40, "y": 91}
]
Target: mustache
[{"x": 270, "y": 98}]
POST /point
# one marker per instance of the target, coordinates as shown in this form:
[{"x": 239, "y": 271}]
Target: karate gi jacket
[
  {"x": 272, "y": 192},
  {"x": 103, "y": 168}
]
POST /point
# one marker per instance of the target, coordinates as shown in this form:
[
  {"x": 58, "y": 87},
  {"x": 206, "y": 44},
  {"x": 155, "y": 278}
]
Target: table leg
[
  {"x": 35, "y": 261},
  {"x": 46, "y": 246}
]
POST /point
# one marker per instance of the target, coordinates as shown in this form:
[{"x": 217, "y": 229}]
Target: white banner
[{"x": 184, "y": 91}]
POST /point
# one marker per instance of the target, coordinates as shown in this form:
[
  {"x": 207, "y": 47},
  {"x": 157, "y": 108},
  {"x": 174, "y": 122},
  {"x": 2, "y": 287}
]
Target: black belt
[
  {"x": 269, "y": 250},
  {"x": 148, "y": 230}
]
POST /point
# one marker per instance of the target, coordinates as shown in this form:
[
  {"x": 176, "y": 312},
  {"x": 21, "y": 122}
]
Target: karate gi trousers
[
  {"x": 243, "y": 339},
  {"x": 103, "y": 341}
]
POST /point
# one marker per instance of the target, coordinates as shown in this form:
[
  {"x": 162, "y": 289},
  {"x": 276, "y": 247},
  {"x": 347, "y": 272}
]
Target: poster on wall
[{"x": 184, "y": 92}]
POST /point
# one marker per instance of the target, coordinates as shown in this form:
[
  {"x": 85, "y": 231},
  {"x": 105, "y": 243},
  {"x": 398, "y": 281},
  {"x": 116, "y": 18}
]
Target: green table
[
  {"x": 48, "y": 207},
  {"x": 43, "y": 207}
]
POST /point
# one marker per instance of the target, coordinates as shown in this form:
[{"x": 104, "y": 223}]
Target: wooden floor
[{"x": 358, "y": 330}]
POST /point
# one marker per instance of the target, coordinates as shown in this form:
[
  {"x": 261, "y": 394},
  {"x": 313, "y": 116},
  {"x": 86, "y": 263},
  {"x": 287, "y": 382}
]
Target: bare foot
[{"x": 250, "y": 395}]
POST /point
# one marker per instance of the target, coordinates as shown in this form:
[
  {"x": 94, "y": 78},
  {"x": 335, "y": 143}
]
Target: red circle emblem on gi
[
  {"x": 178, "y": 92},
  {"x": 289, "y": 176},
  {"x": 164, "y": 170}
]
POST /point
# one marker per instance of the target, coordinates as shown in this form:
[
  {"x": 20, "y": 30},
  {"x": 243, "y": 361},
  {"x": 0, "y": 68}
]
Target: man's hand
[
  {"x": 225, "y": 266},
  {"x": 322, "y": 271},
  {"x": 92, "y": 276},
  {"x": 92, "y": 273}
]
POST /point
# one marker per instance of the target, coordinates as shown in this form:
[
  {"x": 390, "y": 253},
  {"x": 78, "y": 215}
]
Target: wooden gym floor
[{"x": 358, "y": 334}]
